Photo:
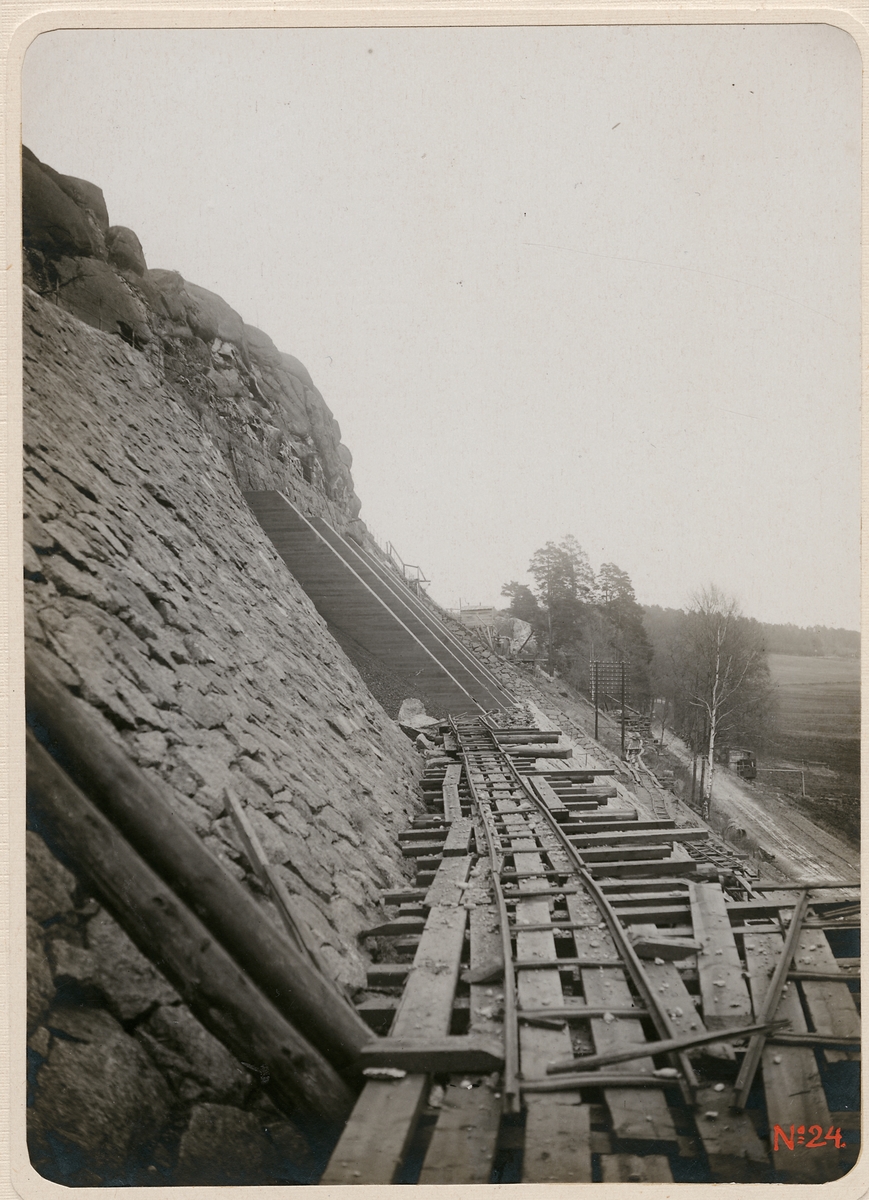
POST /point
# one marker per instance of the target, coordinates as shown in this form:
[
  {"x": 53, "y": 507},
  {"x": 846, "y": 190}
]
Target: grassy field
[{"x": 818, "y": 721}]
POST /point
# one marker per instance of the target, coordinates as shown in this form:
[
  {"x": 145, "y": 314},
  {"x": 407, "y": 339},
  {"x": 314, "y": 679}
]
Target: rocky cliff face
[
  {"x": 259, "y": 406},
  {"x": 154, "y": 596}
]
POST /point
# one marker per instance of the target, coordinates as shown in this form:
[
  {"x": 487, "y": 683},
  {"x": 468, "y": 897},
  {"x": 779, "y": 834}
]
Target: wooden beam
[
  {"x": 830, "y": 1005},
  {"x": 374, "y": 1142},
  {"x": 473, "y": 1054},
  {"x": 634, "y": 836},
  {"x": 771, "y": 1000},
  {"x": 372, "y": 1147},
  {"x": 216, "y": 989},
  {"x": 590, "y": 1062},
  {"x": 791, "y": 1080},
  {"x": 143, "y": 816},
  {"x": 636, "y": 1114},
  {"x": 549, "y": 797},
  {"x": 557, "y": 1133},
  {"x": 398, "y": 928},
  {"x": 538, "y": 751},
  {"x": 458, "y": 842},
  {"x": 463, "y": 1142},
  {"x": 622, "y": 868},
  {"x": 631, "y": 1168},
  {"x": 723, "y": 990}
]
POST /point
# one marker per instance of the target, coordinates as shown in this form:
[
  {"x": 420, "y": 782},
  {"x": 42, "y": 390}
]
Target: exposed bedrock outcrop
[
  {"x": 153, "y": 594},
  {"x": 259, "y": 405}
]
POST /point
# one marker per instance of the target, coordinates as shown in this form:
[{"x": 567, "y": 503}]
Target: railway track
[{"x": 549, "y": 989}]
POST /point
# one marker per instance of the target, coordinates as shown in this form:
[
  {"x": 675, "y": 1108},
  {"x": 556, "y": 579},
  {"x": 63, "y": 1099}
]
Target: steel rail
[
  {"x": 510, "y": 1090},
  {"x": 629, "y": 959}
]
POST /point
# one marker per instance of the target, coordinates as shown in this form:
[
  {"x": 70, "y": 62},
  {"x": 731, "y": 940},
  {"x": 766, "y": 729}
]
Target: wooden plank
[
  {"x": 638, "y": 837},
  {"x": 734, "y": 1151},
  {"x": 463, "y": 1142},
  {"x": 791, "y": 1081},
  {"x": 528, "y": 751},
  {"x": 458, "y": 841},
  {"x": 426, "y": 1005},
  {"x": 831, "y": 1006},
  {"x": 656, "y": 945},
  {"x": 597, "y": 791},
  {"x": 620, "y": 892},
  {"x": 452, "y": 805},
  {"x": 631, "y": 1168},
  {"x": 637, "y": 1114},
  {"x": 597, "y": 824},
  {"x": 381, "y": 975},
  {"x": 507, "y": 739},
  {"x": 669, "y": 894},
  {"x": 660, "y": 914},
  {"x": 624, "y": 854},
  {"x": 426, "y": 849},
  {"x": 623, "y": 868},
  {"x": 371, "y": 1148},
  {"x": 375, "y": 1139},
  {"x": 572, "y": 774},
  {"x": 378, "y": 1012},
  {"x": 429, "y": 833},
  {"x": 557, "y": 1133},
  {"x": 470, "y": 1053},
  {"x": 723, "y": 990},
  {"x": 549, "y": 797},
  {"x": 446, "y": 888},
  {"x": 764, "y": 1011},
  {"x": 409, "y": 896},
  {"x": 397, "y": 928}
]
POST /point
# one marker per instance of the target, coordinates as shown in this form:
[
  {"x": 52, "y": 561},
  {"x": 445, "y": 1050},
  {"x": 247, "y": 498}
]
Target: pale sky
[{"x": 599, "y": 281}]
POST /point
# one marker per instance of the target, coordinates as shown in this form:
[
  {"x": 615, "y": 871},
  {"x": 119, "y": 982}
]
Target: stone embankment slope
[{"x": 153, "y": 595}]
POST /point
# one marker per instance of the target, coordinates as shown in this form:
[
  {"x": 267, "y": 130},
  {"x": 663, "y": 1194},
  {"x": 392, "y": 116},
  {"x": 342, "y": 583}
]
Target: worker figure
[{"x": 633, "y": 746}]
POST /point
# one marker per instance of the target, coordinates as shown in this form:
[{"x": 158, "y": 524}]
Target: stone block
[
  {"x": 40, "y": 984},
  {"x": 224, "y": 1145},
  {"x": 98, "y": 1093},
  {"x": 50, "y": 886},
  {"x": 130, "y": 983},
  {"x": 196, "y": 1064}
]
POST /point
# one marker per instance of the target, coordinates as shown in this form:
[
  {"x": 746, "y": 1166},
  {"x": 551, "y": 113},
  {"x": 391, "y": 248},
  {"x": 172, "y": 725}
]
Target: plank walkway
[{"x": 709, "y": 957}]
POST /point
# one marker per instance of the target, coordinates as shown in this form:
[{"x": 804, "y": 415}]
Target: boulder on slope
[
  {"x": 125, "y": 250},
  {"x": 52, "y": 221},
  {"x": 93, "y": 292}
]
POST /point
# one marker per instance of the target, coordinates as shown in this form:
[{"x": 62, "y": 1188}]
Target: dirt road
[
  {"x": 800, "y": 849},
  {"x": 793, "y": 847}
]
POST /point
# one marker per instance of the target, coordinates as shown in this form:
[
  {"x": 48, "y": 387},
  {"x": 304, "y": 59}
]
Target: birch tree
[{"x": 729, "y": 674}]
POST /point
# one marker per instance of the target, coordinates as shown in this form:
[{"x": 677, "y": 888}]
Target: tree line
[
  {"x": 705, "y": 666},
  {"x": 579, "y": 616}
]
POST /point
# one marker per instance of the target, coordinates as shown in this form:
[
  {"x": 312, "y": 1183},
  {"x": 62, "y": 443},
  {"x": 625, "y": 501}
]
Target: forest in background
[
  {"x": 815, "y": 640},
  {"x": 704, "y": 668}
]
